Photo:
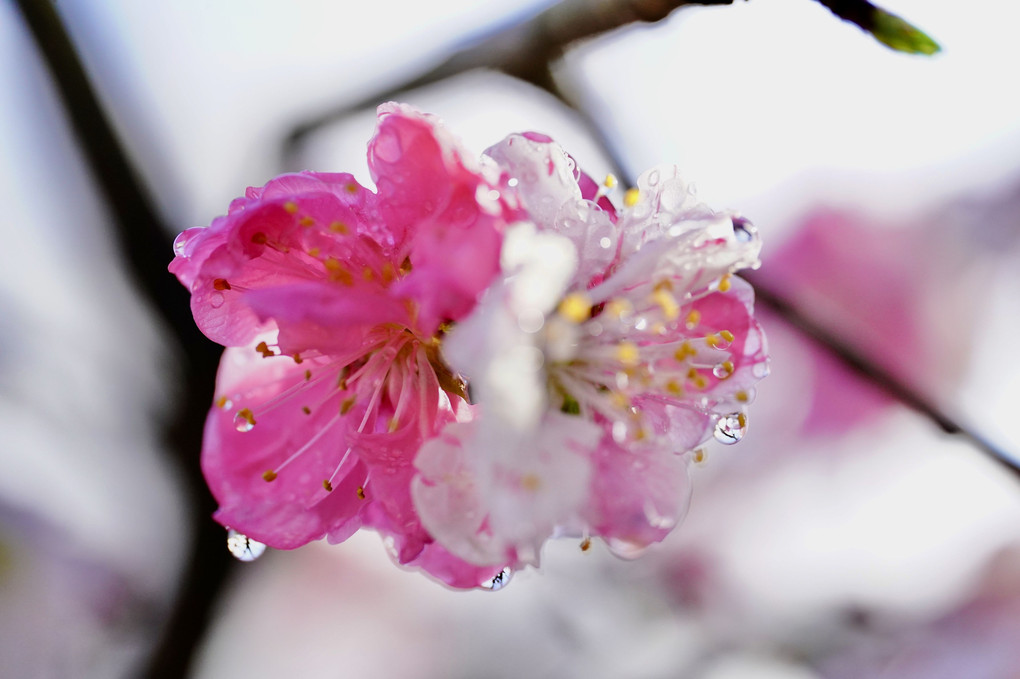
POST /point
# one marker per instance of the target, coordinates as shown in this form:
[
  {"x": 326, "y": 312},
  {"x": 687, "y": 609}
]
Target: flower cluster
[{"x": 473, "y": 358}]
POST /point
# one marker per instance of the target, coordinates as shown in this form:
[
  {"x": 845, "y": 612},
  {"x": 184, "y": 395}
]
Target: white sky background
[{"x": 770, "y": 106}]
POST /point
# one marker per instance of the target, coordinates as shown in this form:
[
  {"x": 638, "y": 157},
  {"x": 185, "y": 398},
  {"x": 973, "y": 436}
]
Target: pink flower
[
  {"x": 332, "y": 301},
  {"x": 614, "y": 344}
]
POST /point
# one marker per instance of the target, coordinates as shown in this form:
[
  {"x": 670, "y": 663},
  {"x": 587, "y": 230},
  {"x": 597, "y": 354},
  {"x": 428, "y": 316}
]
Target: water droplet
[
  {"x": 653, "y": 178},
  {"x": 761, "y": 370},
  {"x": 243, "y": 547},
  {"x": 743, "y": 229},
  {"x": 605, "y": 242},
  {"x": 530, "y": 320},
  {"x": 730, "y": 428},
  {"x": 722, "y": 370},
  {"x": 498, "y": 581},
  {"x": 216, "y": 300},
  {"x": 180, "y": 243},
  {"x": 625, "y": 549},
  {"x": 619, "y": 431},
  {"x": 512, "y": 182},
  {"x": 244, "y": 421}
]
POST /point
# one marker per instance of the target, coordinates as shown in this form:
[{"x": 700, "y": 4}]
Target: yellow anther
[
  {"x": 361, "y": 492},
  {"x": 726, "y": 335},
  {"x": 223, "y": 402},
  {"x": 666, "y": 302},
  {"x": 327, "y": 485},
  {"x": 724, "y": 283},
  {"x": 693, "y": 318},
  {"x": 297, "y": 358},
  {"x": 247, "y": 415},
  {"x": 308, "y": 375},
  {"x": 306, "y": 410},
  {"x": 306, "y": 221},
  {"x": 531, "y": 482},
  {"x": 700, "y": 382},
  {"x": 586, "y": 543},
  {"x": 338, "y": 227},
  {"x": 264, "y": 349},
  {"x": 712, "y": 340},
  {"x": 674, "y": 388},
  {"x": 742, "y": 420},
  {"x": 692, "y": 373},
  {"x": 639, "y": 434},
  {"x": 699, "y": 455},
  {"x": 619, "y": 400},
  {"x": 337, "y": 272},
  {"x": 631, "y": 198},
  {"x": 618, "y": 308},
  {"x": 388, "y": 274},
  {"x": 352, "y": 188},
  {"x": 220, "y": 284},
  {"x": 727, "y": 367},
  {"x": 610, "y": 181},
  {"x": 628, "y": 354},
  {"x": 664, "y": 284},
  {"x": 575, "y": 307},
  {"x": 392, "y": 425},
  {"x": 346, "y": 406},
  {"x": 685, "y": 350},
  {"x": 314, "y": 252},
  {"x": 741, "y": 396},
  {"x": 290, "y": 206},
  {"x": 268, "y": 475}
]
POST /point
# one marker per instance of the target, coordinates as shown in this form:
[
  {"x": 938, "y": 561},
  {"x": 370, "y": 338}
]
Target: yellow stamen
[
  {"x": 290, "y": 206},
  {"x": 248, "y": 415},
  {"x": 618, "y": 308},
  {"x": 586, "y": 543},
  {"x": 268, "y": 476},
  {"x": 575, "y": 307},
  {"x": 712, "y": 340},
  {"x": 631, "y": 198},
  {"x": 222, "y": 402},
  {"x": 306, "y": 221},
  {"x": 726, "y": 335},
  {"x": 346, "y": 406},
  {"x": 699, "y": 455},
  {"x": 361, "y": 492},
  {"x": 220, "y": 284},
  {"x": 306, "y": 410},
  {"x": 264, "y": 349},
  {"x": 314, "y": 252},
  {"x": 297, "y": 358},
  {"x": 327, "y": 485},
  {"x": 741, "y": 396},
  {"x": 670, "y": 309},
  {"x": 308, "y": 375},
  {"x": 610, "y": 181},
  {"x": 724, "y": 283},
  {"x": 392, "y": 425},
  {"x": 531, "y": 482},
  {"x": 352, "y": 188},
  {"x": 628, "y": 354},
  {"x": 338, "y": 227}
]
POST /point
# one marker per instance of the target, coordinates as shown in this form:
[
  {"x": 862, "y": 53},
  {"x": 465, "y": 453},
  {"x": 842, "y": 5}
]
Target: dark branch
[
  {"x": 143, "y": 238},
  {"x": 524, "y": 50}
]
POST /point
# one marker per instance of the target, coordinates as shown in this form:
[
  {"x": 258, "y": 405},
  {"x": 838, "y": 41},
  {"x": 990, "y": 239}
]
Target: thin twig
[
  {"x": 523, "y": 50},
  {"x": 143, "y": 238}
]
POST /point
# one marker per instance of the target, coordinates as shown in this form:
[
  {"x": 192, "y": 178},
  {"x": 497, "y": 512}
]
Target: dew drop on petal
[
  {"x": 216, "y": 300},
  {"x": 180, "y": 243},
  {"x": 729, "y": 429},
  {"x": 624, "y": 548},
  {"x": 605, "y": 242},
  {"x": 760, "y": 370},
  {"x": 498, "y": 581},
  {"x": 243, "y": 547},
  {"x": 743, "y": 229},
  {"x": 720, "y": 371},
  {"x": 242, "y": 422}
]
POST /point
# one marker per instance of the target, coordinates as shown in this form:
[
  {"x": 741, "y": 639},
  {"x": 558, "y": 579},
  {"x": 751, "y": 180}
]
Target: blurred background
[{"x": 848, "y": 535}]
